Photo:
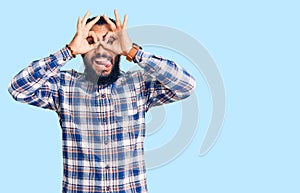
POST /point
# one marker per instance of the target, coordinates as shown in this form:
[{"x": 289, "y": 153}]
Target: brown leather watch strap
[{"x": 132, "y": 52}]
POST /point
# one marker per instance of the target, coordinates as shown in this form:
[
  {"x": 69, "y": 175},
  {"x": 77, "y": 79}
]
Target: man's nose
[
  {"x": 99, "y": 47},
  {"x": 101, "y": 50}
]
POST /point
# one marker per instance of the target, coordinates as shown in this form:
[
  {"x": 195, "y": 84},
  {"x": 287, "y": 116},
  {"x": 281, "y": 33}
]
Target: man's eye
[
  {"x": 111, "y": 40},
  {"x": 90, "y": 40}
]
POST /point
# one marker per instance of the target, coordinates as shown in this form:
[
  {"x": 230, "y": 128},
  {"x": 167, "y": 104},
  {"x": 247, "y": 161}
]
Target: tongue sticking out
[{"x": 103, "y": 61}]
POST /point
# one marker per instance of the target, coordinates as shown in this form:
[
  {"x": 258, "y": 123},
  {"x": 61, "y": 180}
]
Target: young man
[{"x": 102, "y": 111}]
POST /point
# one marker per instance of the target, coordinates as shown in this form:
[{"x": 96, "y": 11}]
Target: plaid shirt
[{"x": 103, "y": 127}]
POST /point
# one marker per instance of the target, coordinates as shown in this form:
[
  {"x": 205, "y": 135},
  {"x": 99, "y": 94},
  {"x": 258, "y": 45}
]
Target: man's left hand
[{"x": 117, "y": 40}]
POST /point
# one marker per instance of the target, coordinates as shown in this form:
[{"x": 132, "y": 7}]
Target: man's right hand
[{"x": 79, "y": 43}]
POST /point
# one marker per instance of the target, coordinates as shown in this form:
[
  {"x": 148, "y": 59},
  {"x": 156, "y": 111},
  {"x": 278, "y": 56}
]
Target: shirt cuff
[
  {"x": 62, "y": 56},
  {"x": 148, "y": 61},
  {"x": 138, "y": 56}
]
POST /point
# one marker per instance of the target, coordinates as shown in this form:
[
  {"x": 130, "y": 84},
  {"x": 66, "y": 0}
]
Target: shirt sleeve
[
  {"x": 38, "y": 84},
  {"x": 165, "y": 81}
]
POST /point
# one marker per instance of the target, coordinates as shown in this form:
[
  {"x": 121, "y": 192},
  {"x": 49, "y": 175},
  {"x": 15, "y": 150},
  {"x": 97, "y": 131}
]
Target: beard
[{"x": 95, "y": 78}]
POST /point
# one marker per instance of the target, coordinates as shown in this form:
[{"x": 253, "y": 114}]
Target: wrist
[
  {"x": 125, "y": 53},
  {"x": 73, "y": 53},
  {"x": 132, "y": 52}
]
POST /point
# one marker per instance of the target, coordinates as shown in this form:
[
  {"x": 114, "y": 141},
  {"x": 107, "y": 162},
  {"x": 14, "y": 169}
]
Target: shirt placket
[{"x": 106, "y": 109}]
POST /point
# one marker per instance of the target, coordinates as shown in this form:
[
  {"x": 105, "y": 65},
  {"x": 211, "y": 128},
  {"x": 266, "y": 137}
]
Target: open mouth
[{"x": 103, "y": 61}]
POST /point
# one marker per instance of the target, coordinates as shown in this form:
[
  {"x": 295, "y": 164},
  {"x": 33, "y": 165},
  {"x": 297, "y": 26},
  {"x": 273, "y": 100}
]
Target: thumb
[{"x": 108, "y": 46}]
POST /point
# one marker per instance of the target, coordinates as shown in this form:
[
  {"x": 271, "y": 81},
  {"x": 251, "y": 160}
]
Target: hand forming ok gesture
[
  {"x": 79, "y": 43},
  {"x": 117, "y": 40}
]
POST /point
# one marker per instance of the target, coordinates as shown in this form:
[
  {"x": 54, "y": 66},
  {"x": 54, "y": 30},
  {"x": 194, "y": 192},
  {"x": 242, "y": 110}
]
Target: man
[{"x": 102, "y": 111}]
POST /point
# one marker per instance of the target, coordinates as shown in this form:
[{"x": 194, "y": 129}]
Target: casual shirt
[{"x": 103, "y": 126}]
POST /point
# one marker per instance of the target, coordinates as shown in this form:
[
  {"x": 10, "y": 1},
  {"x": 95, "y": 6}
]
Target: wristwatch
[{"x": 132, "y": 52}]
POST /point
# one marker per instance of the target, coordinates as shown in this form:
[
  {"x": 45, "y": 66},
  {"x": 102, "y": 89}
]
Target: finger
[
  {"x": 86, "y": 16},
  {"x": 92, "y": 23},
  {"x": 105, "y": 45},
  {"x": 110, "y": 23},
  {"x": 125, "y": 21},
  {"x": 79, "y": 24},
  {"x": 106, "y": 36},
  {"x": 95, "y": 45},
  {"x": 94, "y": 37},
  {"x": 118, "y": 23}
]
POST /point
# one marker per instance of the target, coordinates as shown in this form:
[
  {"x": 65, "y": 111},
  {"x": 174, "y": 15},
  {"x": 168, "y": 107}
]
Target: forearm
[
  {"x": 30, "y": 79},
  {"x": 168, "y": 73}
]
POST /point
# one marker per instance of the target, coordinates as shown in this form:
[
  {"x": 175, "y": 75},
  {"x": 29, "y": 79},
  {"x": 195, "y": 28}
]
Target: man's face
[{"x": 100, "y": 60}]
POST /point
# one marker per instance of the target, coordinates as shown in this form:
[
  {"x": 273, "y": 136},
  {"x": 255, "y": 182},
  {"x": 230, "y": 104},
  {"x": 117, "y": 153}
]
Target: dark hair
[{"x": 101, "y": 21}]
